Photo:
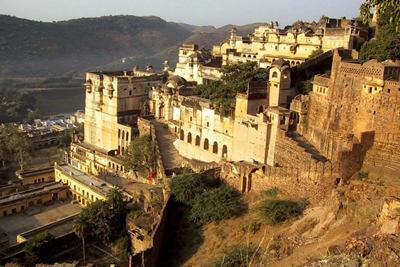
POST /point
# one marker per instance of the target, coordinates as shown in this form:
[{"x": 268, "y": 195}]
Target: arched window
[
  {"x": 182, "y": 137},
  {"x": 274, "y": 74},
  {"x": 39, "y": 202},
  {"x": 215, "y": 148},
  {"x": 123, "y": 135},
  {"x": 123, "y": 150},
  {"x": 189, "y": 138},
  {"x": 119, "y": 133},
  {"x": 119, "y": 149},
  {"x": 127, "y": 136},
  {"x": 206, "y": 144},
  {"x": 197, "y": 140},
  {"x": 224, "y": 151}
]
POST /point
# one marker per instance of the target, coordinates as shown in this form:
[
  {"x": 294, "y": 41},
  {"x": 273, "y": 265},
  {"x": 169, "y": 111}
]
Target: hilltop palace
[
  {"x": 316, "y": 140},
  {"x": 305, "y": 144}
]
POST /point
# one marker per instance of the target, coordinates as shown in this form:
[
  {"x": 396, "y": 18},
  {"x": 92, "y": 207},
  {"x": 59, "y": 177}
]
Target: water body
[{"x": 58, "y": 100}]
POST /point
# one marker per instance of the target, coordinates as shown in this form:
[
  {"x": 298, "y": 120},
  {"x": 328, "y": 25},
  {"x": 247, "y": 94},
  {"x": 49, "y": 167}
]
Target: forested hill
[{"x": 32, "y": 47}]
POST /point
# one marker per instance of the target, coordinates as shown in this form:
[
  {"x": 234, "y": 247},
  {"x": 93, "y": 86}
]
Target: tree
[
  {"x": 385, "y": 7},
  {"x": 5, "y": 155},
  {"x": 316, "y": 53},
  {"x": 64, "y": 138},
  {"x": 115, "y": 198},
  {"x": 20, "y": 146},
  {"x": 35, "y": 114},
  {"x": 82, "y": 229},
  {"x": 386, "y": 45},
  {"x": 141, "y": 155},
  {"x": 234, "y": 79},
  {"x": 35, "y": 248}
]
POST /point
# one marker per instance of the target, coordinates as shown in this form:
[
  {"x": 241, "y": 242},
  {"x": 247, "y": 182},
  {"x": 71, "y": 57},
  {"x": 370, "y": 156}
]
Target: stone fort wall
[
  {"x": 358, "y": 102},
  {"x": 297, "y": 173}
]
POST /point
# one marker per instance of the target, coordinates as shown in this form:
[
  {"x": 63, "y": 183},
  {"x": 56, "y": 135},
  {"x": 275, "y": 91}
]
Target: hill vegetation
[
  {"x": 28, "y": 47},
  {"x": 46, "y": 48}
]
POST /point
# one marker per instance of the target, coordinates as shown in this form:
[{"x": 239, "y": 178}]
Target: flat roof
[
  {"x": 86, "y": 179},
  {"x": 30, "y": 192},
  {"x": 38, "y": 216}
]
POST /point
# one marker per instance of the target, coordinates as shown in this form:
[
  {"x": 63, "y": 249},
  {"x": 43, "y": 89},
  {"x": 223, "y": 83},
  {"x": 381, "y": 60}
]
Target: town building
[
  {"x": 269, "y": 43},
  {"x": 207, "y": 133},
  {"x": 114, "y": 100}
]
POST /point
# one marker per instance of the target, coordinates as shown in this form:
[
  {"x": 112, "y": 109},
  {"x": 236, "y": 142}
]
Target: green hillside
[{"x": 31, "y": 47}]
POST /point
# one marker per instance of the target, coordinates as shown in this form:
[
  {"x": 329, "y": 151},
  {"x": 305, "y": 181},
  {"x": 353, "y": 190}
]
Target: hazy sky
[{"x": 196, "y": 12}]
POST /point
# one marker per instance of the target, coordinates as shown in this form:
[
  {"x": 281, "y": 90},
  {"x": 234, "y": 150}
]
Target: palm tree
[
  {"x": 115, "y": 198},
  {"x": 82, "y": 229}
]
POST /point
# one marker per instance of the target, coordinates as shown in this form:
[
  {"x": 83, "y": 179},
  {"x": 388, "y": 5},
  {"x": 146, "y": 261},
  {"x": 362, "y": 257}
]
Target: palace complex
[
  {"x": 330, "y": 130},
  {"x": 273, "y": 136}
]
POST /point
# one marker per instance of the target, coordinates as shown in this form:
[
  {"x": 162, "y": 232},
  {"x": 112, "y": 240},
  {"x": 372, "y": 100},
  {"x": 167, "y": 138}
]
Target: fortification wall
[
  {"x": 289, "y": 153},
  {"x": 314, "y": 180},
  {"x": 358, "y": 102}
]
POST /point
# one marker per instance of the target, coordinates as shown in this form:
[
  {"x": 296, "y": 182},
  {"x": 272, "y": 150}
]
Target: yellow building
[
  {"x": 83, "y": 188},
  {"x": 268, "y": 43},
  {"x": 23, "y": 200},
  {"x": 36, "y": 176}
]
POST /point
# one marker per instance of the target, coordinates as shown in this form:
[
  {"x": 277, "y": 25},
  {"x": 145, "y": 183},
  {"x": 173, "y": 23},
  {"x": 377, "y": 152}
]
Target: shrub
[
  {"x": 251, "y": 227},
  {"x": 235, "y": 256},
  {"x": 316, "y": 53},
  {"x": 186, "y": 187},
  {"x": 303, "y": 203},
  {"x": 272, "y": 192},
  {"x": 214, "y": 205},
  {"x": 362, "y": 175},
  {"x": 133, "y": 215},
  {"x": 277, "y": 211}
]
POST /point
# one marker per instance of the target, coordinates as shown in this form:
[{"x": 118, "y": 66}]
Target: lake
[{"x": 59, "y": 100}]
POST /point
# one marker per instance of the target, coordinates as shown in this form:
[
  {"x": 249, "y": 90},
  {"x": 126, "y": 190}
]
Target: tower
[{"x": 279, "y": 83}]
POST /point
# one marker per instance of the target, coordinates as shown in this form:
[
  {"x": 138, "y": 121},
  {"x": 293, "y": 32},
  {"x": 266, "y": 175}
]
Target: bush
[
  {"x": 362, "y": 175},
  {"x": 303, "y": 203},
  {"x": 277, "y": 211},
  {"x": 186, "y": 187},
  {"x": 214, "y": 205},
  {"x": 235, "y": 256},
  {"x": 272, "y": 192}
]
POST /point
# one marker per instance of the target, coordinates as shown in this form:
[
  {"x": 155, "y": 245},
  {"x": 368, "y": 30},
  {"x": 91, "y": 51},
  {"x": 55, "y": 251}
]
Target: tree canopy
[
  {"x": 141, "y": 155},
  {"x": 15, "y": 147},
  {"x": 386, "y": 45},
  {"x": 102, "y": 219},
  {"x": 386, "y": 7},
  {"x": 235, "y": 78}
]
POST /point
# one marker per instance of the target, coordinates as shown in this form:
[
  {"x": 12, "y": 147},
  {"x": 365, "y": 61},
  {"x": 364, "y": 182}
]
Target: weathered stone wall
[
  {"x": 288, "y": 153},
  {"x": 146, "y": 127},
  {"x": 313, "y": 180},
  {"x": 384, "y": 156},
  {"x": 359, "y": 101}
]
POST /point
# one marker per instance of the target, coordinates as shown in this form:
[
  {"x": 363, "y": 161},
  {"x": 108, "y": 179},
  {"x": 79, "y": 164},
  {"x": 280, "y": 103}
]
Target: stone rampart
[{"x": 313, "y": 180}]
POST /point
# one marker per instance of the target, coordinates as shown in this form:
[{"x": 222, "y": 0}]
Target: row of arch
[
  {"x": 206, "y": 143},
  {"x": 123, "y": 135}
]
